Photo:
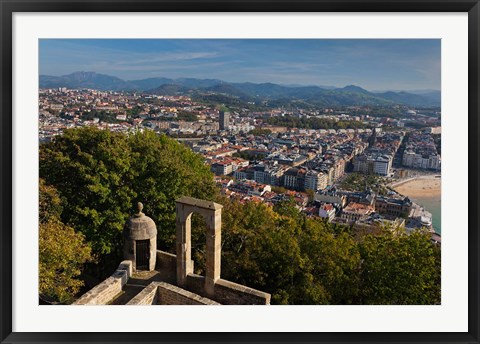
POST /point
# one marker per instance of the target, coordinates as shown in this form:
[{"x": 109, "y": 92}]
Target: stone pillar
[
  {"x": 214, "y": 250},
  {"x": 183, "y": 244}
]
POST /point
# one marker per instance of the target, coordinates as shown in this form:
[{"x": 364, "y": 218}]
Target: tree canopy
[
  {"x": 100, "y": 175},
  {"x": 62, "y": 251},
  {"x": 308, "y": 261},
  {"x": 314, "y": 123},
  {"x": 400, "y": 269}
]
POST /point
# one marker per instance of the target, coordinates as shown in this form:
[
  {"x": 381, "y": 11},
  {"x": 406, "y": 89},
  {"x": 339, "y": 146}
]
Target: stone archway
[{"x": 212, "y": 213}]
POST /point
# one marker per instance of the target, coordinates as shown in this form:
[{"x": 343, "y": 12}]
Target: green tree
[
  {"x": 400, "y": 269},
  {"x": 287, "y": 207},
  {"x": 334, "y": 261},
  {"x": 260, "y": 131},
  {"x": 100, "y": 175},
  {"x": 92, "y": 171},
  {"x": 62, "y": 251},
  {"x": 49, "y": 203},
  {"x": 273, "y": 252}
]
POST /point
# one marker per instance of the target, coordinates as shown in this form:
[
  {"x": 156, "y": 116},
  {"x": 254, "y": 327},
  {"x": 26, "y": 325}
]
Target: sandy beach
[{"x": 420, "y": 187}]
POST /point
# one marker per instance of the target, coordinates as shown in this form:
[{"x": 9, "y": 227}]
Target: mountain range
[{"x": 247, "y": 91}]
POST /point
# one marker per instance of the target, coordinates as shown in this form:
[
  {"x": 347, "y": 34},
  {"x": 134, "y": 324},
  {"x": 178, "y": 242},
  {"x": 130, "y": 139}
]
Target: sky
[{"x": 374, "y": 64}]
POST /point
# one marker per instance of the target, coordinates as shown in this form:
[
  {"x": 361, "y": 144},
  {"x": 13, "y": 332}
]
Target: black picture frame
[{"x": 8, "y": 7}]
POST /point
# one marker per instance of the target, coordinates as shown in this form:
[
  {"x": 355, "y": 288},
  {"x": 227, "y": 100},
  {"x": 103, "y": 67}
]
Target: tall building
[
  {"x": 224, "y": 120},
  {"x": 372, "y": 139},
  {"x": 315, "y": 180}
]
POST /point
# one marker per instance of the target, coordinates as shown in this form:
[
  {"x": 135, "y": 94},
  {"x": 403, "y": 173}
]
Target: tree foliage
[
  {"x": 314, "y": 123},
  {"x": 400, "y": 269},
  {"x": 259, "y": 132},
  {"x": 361, "y": 182},
  {"x": 100, "y": 176},
  {"x": 62, "y": 251},
  {"x": 309, "y": 261}
]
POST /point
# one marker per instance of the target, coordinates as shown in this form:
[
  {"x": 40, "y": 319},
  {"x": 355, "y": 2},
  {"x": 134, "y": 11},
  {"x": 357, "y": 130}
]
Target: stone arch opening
[
  {"x": 199, "y": 243},
  {"x": 212, "y": 213}
]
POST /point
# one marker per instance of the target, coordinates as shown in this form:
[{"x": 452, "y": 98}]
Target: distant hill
[
  {"x": 354, "y": 89},
  {"x": 169, "y": 90},
  {"x": 85, "y": 80},
  {"x": 433, "y": 95},
  {"x": 408, "y": 98},
  {"x": 228, "y": 89},
  {"x": 315, "y": 95},
  {"x": 150, "y": 83}
]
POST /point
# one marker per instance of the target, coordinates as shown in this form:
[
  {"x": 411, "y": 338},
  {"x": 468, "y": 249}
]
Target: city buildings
[
  {"x": 224, "y": 120},
  {"x": 421, "y": 152},
  {"x": 276, "y": 165}
]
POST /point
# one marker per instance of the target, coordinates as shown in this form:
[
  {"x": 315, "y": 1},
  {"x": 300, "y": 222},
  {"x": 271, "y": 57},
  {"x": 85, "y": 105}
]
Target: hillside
[{"x": 312, "y": 95}]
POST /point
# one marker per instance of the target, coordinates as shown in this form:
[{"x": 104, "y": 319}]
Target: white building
[
  {"x": 327, "y": 211},
  {"x": 416, "y": 160},
  {"x": 315, "y": 180},
  {"x": 373, "y": 163}
]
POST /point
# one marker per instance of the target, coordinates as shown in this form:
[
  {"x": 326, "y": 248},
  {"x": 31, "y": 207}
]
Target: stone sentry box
[
  {"x": 212, "y": 213},
  {"x": 141, "y": 241}
]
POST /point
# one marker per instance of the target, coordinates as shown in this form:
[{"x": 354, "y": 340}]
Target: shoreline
[
  {"x": 425, "y": 191},
  {"x": 427, "y": 186}
]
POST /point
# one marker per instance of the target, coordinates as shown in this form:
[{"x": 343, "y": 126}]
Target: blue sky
[{"x": 387, "y": 64}]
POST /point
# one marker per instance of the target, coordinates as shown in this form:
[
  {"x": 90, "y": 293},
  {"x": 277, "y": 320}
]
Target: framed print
[{"x": 238, "y": 171}]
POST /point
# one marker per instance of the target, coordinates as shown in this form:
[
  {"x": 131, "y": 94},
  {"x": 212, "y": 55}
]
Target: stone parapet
[
  {"x": 228, "y": 293},
  {"x": 106, "y": 291},
  {"x": 167, "y": 294},
  {"x": 148, "y": 296}
]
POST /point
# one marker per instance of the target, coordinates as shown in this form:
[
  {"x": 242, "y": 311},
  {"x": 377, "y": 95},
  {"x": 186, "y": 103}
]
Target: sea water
[{"x": 433, "y": 205}]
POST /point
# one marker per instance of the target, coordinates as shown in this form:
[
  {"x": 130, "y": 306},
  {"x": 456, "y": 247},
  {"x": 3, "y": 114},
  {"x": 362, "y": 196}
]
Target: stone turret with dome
[{"x": 141, "y": 241}]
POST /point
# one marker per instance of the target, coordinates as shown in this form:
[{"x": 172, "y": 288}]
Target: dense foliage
[
  {"x": 308, "y": 261},
  {"x": 100, "y": 176},
  {"x": 259, "y": 132},
  {"x": 314, "y": 123},
  {"x": 359, "y": 182},
  {"x": 62, "y": 251},
  {"x": 400, "y": 270}
]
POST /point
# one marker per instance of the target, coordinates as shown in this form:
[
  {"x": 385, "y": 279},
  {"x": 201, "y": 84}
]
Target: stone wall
[
  {"x": 196, "y": 283},
  {"x": 148, "y": 296},
  {"x": 161, "y": 293},
  {"x": 171, "y": 295},
  {"x": 228, "y": 293},
  {"x": 166, "y": 262},
  {"x": 106, "y": 291}
]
